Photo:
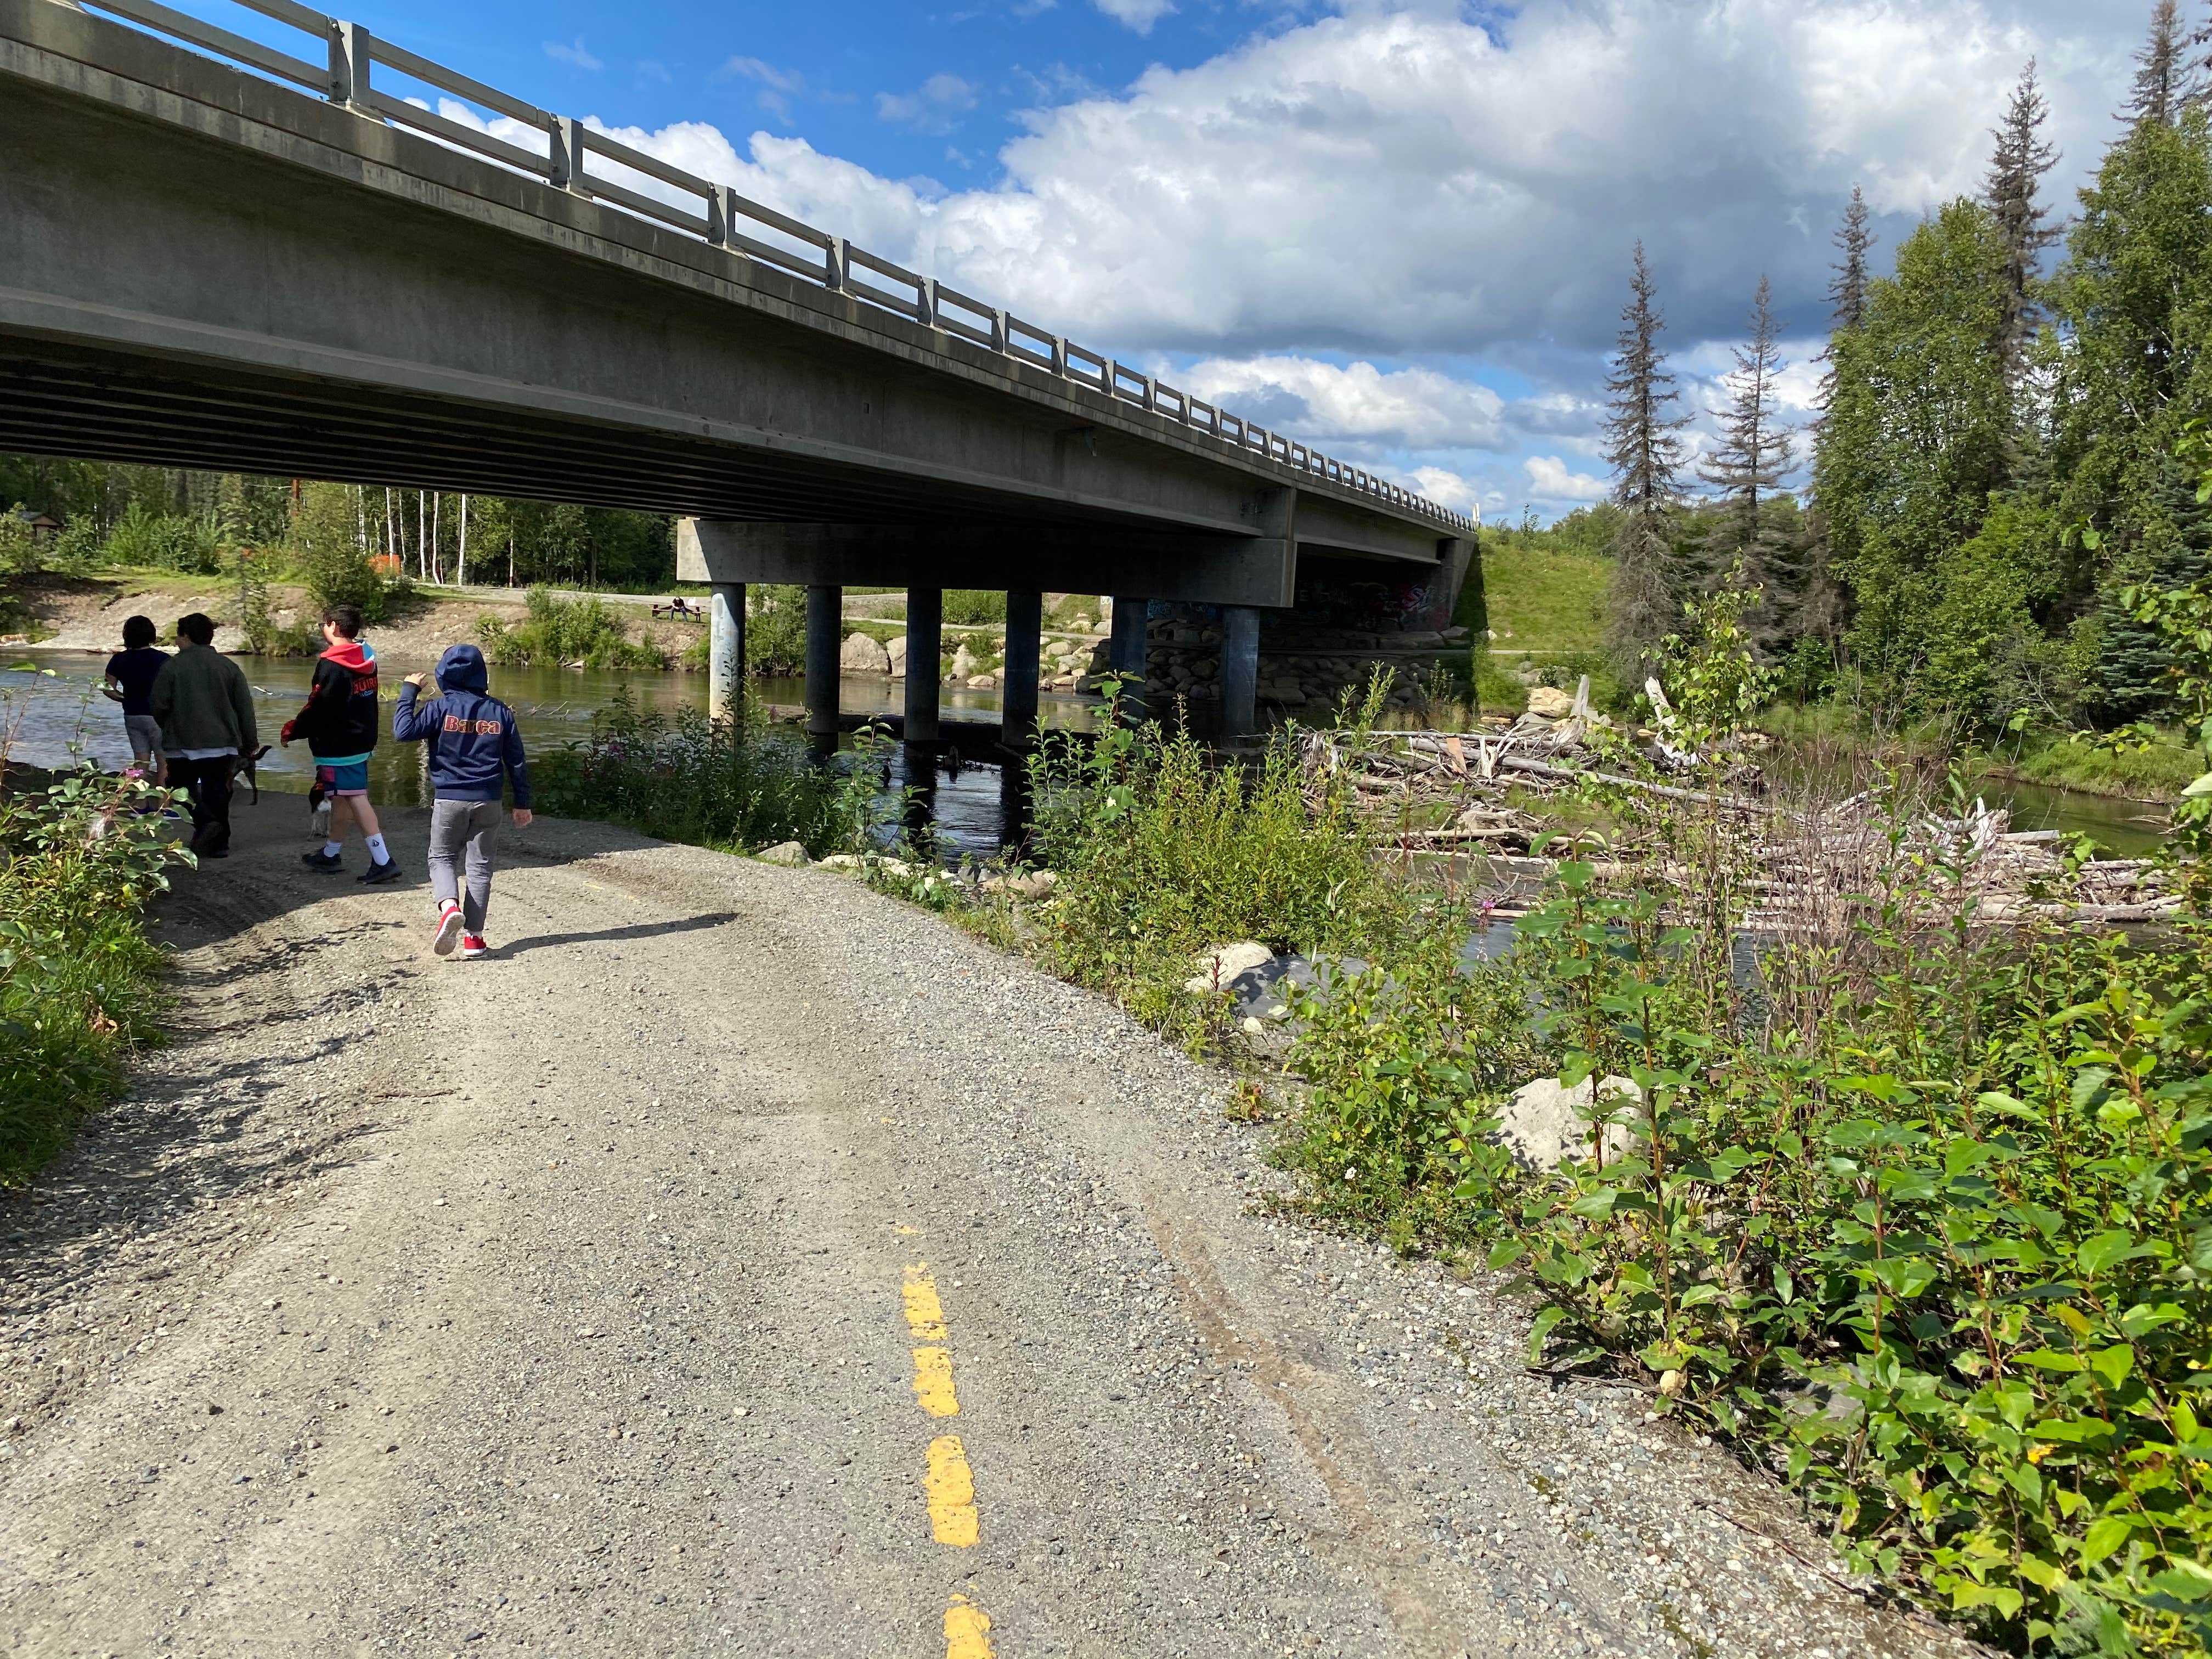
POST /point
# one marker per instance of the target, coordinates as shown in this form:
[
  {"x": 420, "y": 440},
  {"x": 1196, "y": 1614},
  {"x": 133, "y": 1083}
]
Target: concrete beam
[
  {"x": 1259, "y": 570},
  {"x": 726, "y": 652}
]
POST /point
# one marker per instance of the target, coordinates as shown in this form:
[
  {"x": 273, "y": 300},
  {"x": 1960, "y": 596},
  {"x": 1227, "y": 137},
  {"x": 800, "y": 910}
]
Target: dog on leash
[{"x": 242, "y": 766}]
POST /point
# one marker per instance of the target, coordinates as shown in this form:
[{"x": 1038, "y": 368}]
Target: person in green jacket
[{"x": 206, "y": 711}]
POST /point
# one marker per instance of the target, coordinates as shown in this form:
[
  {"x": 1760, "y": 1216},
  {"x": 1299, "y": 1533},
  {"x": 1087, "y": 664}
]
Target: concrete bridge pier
[
  {"x": 1126, "y": 648},
  {"x": 825, "y": 614},
  {"x": 1240, "y": 672},
  {"x": 726, "y": 652},
  {"x": 924, "y": 629},
  {"x": 1017, "y": 683}
]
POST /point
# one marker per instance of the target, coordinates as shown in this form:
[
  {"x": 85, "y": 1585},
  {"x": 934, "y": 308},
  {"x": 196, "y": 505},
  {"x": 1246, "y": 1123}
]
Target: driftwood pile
[{"x": 1811, "y": 870}]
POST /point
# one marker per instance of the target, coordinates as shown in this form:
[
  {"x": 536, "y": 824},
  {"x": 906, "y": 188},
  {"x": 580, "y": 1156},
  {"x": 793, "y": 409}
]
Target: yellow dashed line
[
  {"x": 933, "y": 1382},
  {"x": 967, "y": 1630},
  {"x": 951, "y": 1493},
  {"x": 925, "y": 1314}
]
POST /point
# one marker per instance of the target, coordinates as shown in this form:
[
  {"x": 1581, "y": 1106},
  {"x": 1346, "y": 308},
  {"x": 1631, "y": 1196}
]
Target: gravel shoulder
[{"x": 558, "y": 1302}]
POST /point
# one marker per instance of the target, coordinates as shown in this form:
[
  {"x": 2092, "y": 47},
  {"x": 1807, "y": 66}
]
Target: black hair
[
  {"x": 346, "y": 618},
  {"x": 197, "y": 628},
  {"x": 138, "y": 633}
]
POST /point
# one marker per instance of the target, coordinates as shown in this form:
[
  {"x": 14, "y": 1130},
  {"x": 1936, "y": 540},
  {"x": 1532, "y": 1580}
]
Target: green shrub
[
  {"x": 775, "y": 629},
  {"x": 78, "y": 863},
  {"x": 556, "y": 632},
  {"x": 710, "y": 784},
  {"x": 970, "y": 606},
  {"x": 153, "y": 541},
  {"x": 1161, "y": 853}
]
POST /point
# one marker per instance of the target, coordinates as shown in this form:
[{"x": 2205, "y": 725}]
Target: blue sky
[{"x": 1398, "y": 229}]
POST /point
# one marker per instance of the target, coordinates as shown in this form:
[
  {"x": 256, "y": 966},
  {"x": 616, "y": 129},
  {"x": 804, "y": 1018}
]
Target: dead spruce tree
[{"x": 1646, "y": 451}]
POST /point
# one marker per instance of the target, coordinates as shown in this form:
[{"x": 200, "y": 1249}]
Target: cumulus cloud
[
  {"x": 1551, "y": 480},
  {"x": 575, "y": 57},
  {"x": 1413, "y": 409},
  {"x": 933, "y": 107},
  {"x": 1139, "y": 14},
  {"x": 1448, "y": 488}
]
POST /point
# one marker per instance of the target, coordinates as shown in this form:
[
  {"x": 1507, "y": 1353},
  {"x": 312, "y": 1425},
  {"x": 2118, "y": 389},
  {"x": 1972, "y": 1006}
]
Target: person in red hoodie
[{"x": 339, "y": 724}]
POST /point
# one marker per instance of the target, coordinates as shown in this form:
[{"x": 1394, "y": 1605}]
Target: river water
[
  {"x": 51, "y": 712},
  {"x": 53, "y": 715}
]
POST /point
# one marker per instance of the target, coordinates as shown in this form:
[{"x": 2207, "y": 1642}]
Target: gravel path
[{"x": 566, "y": 1303}]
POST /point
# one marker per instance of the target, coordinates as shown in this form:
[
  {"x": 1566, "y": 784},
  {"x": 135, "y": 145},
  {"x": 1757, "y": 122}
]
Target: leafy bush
[
  {"x": 1161, "y": 853},
  {"x": 78, "y": 863},
  {"x": 775, "y": 629},
  {"x": 155, "y": 541},
  {"x": 710, "y": 784},
  {"x": 556, "y": 632}
]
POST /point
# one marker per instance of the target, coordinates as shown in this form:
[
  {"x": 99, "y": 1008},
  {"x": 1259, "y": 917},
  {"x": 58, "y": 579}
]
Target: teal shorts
[{"x": 351, "y": 779}]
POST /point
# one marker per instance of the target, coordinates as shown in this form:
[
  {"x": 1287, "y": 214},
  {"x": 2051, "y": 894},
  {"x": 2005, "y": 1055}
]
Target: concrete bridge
[{"x": 290, "y": 268}]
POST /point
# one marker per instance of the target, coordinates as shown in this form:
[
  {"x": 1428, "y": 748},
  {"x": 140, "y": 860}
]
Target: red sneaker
[
  {"x": 449, "y": 929},
  {"x": 472, "y": 944}
]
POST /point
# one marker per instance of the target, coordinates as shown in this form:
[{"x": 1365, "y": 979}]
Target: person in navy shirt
[{"x": 130, "y": 682}]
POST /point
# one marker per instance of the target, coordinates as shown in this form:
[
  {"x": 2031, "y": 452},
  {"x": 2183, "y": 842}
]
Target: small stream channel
[{"x": 51, "y": 711}]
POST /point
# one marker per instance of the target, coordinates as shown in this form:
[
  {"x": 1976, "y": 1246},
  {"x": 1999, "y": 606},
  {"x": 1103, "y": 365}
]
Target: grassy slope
[{"x": 1544, "y": 600}]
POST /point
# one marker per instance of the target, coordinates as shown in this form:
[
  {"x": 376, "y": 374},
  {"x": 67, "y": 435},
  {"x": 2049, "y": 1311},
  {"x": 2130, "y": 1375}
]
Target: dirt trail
[{"x": 565, "y": 1301}]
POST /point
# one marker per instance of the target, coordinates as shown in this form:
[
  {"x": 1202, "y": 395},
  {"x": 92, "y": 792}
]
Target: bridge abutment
[{"x": 1240, "y": 672}]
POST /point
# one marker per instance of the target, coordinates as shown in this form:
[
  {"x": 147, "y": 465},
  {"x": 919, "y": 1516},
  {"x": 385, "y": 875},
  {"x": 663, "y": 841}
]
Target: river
[{"x": 52, "y": 711}]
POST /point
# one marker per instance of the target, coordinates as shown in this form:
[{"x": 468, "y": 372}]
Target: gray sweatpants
[{"x": 459, "y": 830}]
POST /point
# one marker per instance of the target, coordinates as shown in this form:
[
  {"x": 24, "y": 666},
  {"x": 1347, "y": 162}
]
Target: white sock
[
  {"x": 332, "y": 848},
  {"x": 376, "y": 850}
]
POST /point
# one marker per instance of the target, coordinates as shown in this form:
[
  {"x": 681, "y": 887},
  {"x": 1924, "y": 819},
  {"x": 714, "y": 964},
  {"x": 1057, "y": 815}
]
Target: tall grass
[{"x": 733, "y": 787}]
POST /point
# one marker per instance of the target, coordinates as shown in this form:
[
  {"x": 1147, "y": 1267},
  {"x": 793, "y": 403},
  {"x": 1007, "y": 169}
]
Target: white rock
[
  {"x": 981, "y": 682},
  {"x": 1549, "y": 703},
  {"x": 963, "y": 662},
  {"x": 786, "y": 853},
  {"x": 863, "y": 654},
  {"x": 1217, "y": 967},
  {"x": 895, "y": 651},
  {"x": 842, "y": 861},
  {"x": 1545, "y": 1123},
  {"x": 1029, "y": 883}
]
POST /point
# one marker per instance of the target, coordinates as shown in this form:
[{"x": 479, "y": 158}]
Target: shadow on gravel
[{"x": 639, "y": 930}]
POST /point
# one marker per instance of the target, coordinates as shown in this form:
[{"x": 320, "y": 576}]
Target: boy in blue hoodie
[{"x": 474, "y": 749}]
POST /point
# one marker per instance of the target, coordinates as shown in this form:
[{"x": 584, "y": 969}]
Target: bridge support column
[
  {"x": 826, "y": 613},
  {"x": 1126, "y": 649},
  {"x": 726, "y": 652},
  {"x": 1240, "y": 672},
  {"x": 1017, "y": 683},
  {"x": 924, "y": 629}
]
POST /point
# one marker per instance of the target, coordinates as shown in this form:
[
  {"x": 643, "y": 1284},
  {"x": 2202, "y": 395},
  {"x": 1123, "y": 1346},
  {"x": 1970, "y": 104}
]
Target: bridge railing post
[
  {"x": 350, "y": 62},
  {"x": 565, "y": 156},
  {"x": 834, "y": 266}
]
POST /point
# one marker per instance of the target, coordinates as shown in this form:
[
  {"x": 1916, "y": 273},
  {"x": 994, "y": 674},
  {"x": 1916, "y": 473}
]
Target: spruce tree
[
  {"x": 1646, "y": 451},
  {"x": 2015, "y": 177},
  {"x": 2166, "y": 81},
  {"x": 2169, "y": 547},
  {"x": 1847, "y": 291},
  {"x": 1755, "y": 451}
]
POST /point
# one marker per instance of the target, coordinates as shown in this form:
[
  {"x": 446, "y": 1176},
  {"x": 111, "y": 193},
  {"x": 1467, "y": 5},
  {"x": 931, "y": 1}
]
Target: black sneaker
[
  {"x": 376, "y": 873},
  {"x": 319, "y": 860}
]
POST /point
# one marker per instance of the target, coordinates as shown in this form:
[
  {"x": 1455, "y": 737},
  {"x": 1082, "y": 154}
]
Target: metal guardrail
[{"x": 727, "y": 220}]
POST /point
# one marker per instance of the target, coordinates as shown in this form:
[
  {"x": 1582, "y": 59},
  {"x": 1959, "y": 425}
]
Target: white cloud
[
  {"x": 757, "y": 69},
  {"x": 575, "y": 57},
  {"x": 1415, "y": 408},
  {"x": 1550, "y": 480},
  {"x": 934, "y": 106},
  {"x": 1139, "y": 14},
  {"x": 1447, "y": 488}
]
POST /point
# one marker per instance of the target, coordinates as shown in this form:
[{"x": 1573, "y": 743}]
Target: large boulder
[
  {"x": 895, "y": 651},
  {"x": 1549, "y": 703},
  {"x": 787, "y": 853},
  {"x": 1545, "y": 1123},
  {"x": 1217, "y": 967},
  {"x": 862, "y": 653}
]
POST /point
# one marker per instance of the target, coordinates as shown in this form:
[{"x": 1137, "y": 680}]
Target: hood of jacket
[
  {"x": 353, "y": 655},
  {"x": 462, "y": 669}
]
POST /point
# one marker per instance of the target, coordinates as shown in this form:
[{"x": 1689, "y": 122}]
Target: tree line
[
  {"x": 1998, "y": 455},
  {"x": 336, "y": 536}
]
